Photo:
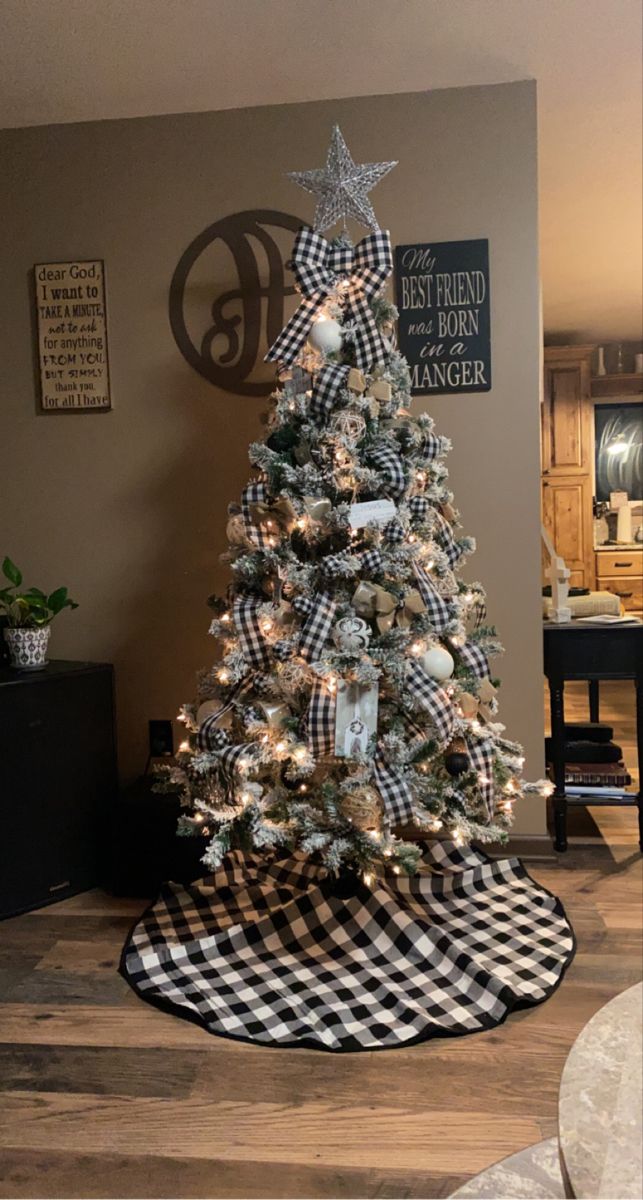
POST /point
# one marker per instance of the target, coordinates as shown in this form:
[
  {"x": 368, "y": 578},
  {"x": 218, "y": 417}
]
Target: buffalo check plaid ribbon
[
  {"x": 479, "y": 611},
  {"x": 481, "y": 755},
  {"x": 209, "y": 736},
  {"x": 394, "y": 790},
  {"x": 431, "y": 697},
  {"x": 256, "y": 492},
  {"x": 475, "y": 659},
  {"x": 326, "y": 388},
  {"x": 245, "y": 614},
  {"x": 445, "y": 539},
  {"x": 321, "y": 719},
  {"x": 437, "y": 608},
  {"x": 318, "y": 265},
  {"x": 316, "y": 631},
  {"x": 434, "y": 446},
  {"x": 388, "y": 460},
  {"x": 232, "y": 758}
]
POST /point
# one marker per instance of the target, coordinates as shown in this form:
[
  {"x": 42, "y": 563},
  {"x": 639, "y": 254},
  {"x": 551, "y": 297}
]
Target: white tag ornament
[{"x": 366, "y": 511}]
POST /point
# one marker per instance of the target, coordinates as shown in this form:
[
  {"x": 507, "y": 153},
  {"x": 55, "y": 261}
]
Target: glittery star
[{"x": 341, "y": 186}]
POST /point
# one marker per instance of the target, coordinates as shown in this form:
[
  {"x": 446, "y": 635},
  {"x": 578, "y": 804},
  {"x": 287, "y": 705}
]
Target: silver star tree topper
[{"x": 341, "y": 186}]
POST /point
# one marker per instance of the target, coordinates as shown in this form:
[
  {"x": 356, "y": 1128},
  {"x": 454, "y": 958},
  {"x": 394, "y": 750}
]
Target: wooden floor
[{"x": 105, "y": 1096}]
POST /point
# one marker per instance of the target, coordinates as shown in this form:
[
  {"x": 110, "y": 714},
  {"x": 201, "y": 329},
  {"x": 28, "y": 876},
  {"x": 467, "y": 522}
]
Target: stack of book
[{"x": 592, "y": 759}]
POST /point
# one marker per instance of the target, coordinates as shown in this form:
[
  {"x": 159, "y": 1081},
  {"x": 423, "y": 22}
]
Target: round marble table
[{"x": 599, "y": 1118}]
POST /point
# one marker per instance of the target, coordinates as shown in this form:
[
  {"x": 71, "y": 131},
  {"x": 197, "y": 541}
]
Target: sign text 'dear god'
[
  {"x": 442, "y": 294},
  {"x": 72, "y": 336}
]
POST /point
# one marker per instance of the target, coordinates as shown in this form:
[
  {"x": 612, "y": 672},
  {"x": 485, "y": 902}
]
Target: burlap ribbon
[
  {"x": 372, "y": 601},
  {"x": 317, "y": 265},
  {"x": 280, "y": 512}
]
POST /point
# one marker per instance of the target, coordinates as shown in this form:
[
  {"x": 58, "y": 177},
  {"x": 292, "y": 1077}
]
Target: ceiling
[{"x": 79, "y": 60}]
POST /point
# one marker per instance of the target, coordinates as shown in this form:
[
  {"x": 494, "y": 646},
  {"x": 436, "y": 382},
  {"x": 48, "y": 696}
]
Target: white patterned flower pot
[{"x": 28, "y": 648}]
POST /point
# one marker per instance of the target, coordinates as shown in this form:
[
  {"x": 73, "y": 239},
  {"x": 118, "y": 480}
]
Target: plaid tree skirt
[{"x": 270, "y": 953}]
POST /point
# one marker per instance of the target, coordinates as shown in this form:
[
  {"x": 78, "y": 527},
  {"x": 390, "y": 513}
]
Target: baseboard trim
[{"x": 531, "y": 847}]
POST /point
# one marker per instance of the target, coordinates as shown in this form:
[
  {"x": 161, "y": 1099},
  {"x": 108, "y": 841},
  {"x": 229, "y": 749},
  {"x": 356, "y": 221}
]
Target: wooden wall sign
[
  {"x": 227, "y": 298},
  {"x": 442, "y": 294},
  {"x": 72, "y": 336}
]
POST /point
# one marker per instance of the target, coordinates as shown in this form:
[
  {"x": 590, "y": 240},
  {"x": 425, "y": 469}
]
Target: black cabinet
[{"x": 57, "y": 781}]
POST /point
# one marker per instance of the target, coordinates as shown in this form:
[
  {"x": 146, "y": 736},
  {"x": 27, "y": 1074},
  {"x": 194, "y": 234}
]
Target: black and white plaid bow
[
  {"x": 438, "y": 609},
  {"x": 395, "y": 792},
  {"x": 326, "y": 388},
  {"x": 431, "y": 697},
  {"x": 316, "y": 631},
  {"x": 388, "y": 460},
  {"x": 317, "y": 265},
  {"x": 321, "y": 719},
  {"x": 475, "y": 659},
  {"x": 245, "y": 614},
  {"x": 481, "y": 755}
]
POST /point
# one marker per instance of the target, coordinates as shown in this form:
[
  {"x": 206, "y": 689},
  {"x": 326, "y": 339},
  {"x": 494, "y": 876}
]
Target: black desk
[{"x": 590, "y": 652}]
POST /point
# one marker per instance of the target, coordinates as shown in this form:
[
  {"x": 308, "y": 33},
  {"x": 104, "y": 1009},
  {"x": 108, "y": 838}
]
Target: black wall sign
[{"x": 442, "y": 293}]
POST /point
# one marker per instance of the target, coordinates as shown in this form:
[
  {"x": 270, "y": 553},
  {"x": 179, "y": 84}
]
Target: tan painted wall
[{"x": 127, "y": 508}]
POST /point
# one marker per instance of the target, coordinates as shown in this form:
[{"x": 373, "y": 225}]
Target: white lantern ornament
[
  {"x": 438, "y": 663},
  {"x": 326, "y": 335}
]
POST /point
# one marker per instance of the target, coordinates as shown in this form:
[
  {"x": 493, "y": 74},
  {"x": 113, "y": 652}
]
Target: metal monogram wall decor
[
  {"x": 72, "y": 336},
  {"x": 227, "y": 298},
  {"x": 442, "y": 294}
]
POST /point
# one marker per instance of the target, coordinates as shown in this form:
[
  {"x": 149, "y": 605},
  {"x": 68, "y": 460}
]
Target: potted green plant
[{"x": 28, "y": 615}]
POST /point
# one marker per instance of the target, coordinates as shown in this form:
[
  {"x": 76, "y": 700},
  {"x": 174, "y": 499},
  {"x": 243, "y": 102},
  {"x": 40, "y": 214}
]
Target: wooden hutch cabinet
[{"x": 567, "y": 448}]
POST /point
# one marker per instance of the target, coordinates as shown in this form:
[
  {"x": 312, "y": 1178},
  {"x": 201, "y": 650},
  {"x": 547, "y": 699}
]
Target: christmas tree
[{"x": 351, "y": 710}]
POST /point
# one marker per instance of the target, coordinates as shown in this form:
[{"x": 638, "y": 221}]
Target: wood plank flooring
[{"x": 104, "y": 1096}]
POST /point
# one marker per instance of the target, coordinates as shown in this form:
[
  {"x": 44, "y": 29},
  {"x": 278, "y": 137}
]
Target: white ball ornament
[
  {"x": 438, "y": 663},
  {"x": 326, "y": 335},
  {"x": 352, "y": 635}
]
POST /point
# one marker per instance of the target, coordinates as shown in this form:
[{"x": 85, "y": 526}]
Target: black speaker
[{"x": 57, "y": 781}]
